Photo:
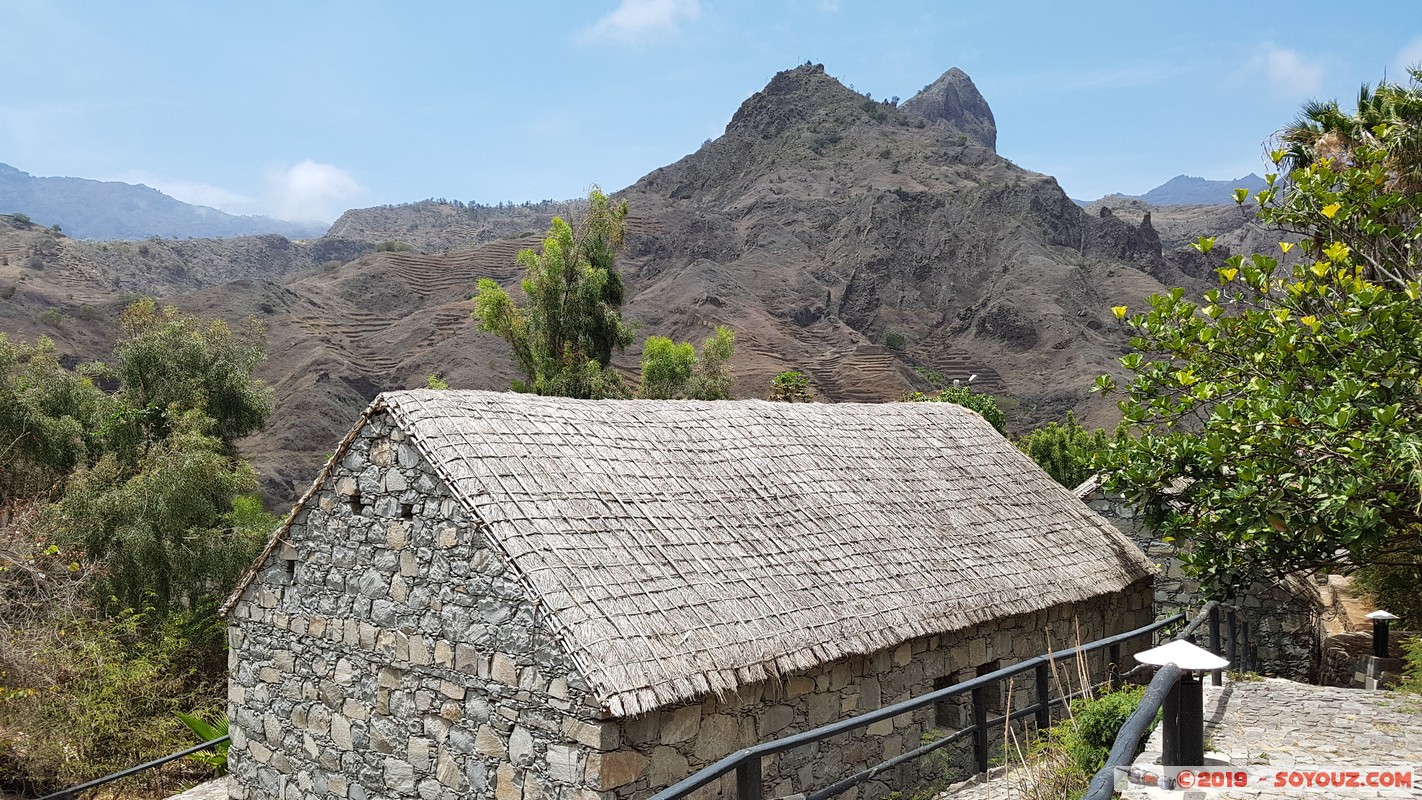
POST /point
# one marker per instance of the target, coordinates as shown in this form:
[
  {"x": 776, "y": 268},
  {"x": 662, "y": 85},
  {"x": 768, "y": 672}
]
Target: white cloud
[
  {"x": 1289, "y": 73},
  {"x": 637, "y": 21},
  {"x": 1411, "y": 56},
  {"x": 306, "y": 192},
  {"x": 310, "y": 192}
]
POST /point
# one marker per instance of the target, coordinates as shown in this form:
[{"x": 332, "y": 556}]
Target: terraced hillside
[{"x": 821, "y": 228}]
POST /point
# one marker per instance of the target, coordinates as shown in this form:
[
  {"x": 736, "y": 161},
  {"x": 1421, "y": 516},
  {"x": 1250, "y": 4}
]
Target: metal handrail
[
  {"x": 1137, "y": 725},
  {"x": 746, "y": 761},
  {"x": 73, "y": 791}
]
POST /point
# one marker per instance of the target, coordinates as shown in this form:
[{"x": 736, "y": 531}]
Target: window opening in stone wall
[
  {"x": 291, "y": 570},
  {"x": 357, "y": 507},
  {"x": 407, "y": 511}
]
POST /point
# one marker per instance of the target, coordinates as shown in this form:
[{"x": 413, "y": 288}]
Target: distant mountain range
[
  {"x": 1185, "y": 190},
  {"x": 88, "y": 209}
]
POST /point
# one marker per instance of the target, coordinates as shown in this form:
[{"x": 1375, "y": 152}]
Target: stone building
[{"x": 530, "y": 598}]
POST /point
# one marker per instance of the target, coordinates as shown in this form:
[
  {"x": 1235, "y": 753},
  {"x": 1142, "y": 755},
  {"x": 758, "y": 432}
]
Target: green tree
[
  {"x": 143, "y": 479},
  {"x": 564, "y": 338},
  {"x": 1281, "y": 417},
  {"x": 173, "y": 529},
  {"x": 791, "y": 387},
  {"x": 673, "y": 371},
  {"x": 964, "y": 396},
  {"x": 168, "y": 363},
  {"x": 1385, "y": 119},
  {"x": 46, "y": 415},
  {"x": 1067, "y": 451}
]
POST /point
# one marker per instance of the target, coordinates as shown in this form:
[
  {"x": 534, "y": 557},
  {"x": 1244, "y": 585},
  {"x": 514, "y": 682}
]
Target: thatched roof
[{"x": 681, "y": 548}]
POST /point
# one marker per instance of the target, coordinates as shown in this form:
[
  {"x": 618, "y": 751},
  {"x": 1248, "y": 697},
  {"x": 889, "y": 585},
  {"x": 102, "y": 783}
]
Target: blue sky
[{"x": 303, "y": 109}]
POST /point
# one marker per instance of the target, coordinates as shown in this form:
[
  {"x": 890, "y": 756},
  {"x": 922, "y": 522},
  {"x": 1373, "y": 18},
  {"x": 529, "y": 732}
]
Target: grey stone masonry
[
  {"x": 1285, "y": 619},
  {"x": 674, "y": 742},
  {"x": 386, "y": 650}
]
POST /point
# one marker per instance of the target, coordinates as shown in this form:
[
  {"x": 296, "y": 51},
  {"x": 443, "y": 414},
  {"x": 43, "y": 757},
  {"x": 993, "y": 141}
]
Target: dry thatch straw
[{"x": 683, "y": 548}]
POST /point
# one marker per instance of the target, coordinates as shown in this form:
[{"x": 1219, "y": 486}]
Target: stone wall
[
  {"x": 1285, "y": 619},
  {"x": 386, "y": 651},
  {"x": 681, "y": 740}
]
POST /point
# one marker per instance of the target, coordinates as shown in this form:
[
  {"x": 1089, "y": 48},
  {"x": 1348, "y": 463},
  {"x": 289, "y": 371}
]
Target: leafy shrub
[
  {"x": 1073, "y": 750},
  {"x": 205, "y": 732},
  {"x": 1091, "y": 732},
  {"x": 52, "y": 317},
  {"x": 1412, "y": 668},
  {"x": 392, "y": 246},
  {"x": 1066, "y": 450},
  {"x": 791, "y": 387},
  {"x": 984, "y": 404},
  {"x": 1394, "y": 588},
  {"x": 895, "y": 341}
]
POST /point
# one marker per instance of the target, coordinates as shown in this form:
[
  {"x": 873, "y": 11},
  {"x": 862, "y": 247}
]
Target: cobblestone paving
[
  {"x": 1274, "y": 726},
  {"x": 1269, "y": 726}
]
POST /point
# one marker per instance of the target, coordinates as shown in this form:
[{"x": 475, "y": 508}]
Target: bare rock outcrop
[{"x": 953, "y": 101}]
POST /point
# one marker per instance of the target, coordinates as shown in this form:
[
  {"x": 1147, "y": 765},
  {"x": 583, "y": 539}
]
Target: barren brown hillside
[{"x": 818, "y": 225}]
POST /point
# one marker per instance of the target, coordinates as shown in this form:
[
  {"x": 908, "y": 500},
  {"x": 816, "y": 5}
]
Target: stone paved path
[{"x": 1272, "y": 725}]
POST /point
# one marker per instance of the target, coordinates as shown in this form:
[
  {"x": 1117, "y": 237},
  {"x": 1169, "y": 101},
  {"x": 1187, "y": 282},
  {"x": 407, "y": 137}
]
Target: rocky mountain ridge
[{"x": 878, "y": 248}]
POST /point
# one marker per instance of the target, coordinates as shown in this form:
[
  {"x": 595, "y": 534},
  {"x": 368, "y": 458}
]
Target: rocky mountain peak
[
  {"x": 954, "y": 102},
  {"x": 792, "y": 96}
]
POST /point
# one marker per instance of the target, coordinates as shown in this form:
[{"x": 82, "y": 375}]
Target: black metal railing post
[
  {"x": 980, "y": 728},
  {"x": 748, "y": 779},
  {"x": 1246, "y": 657},
  {"x": 1232, "y": 642},
  {"x": 1216, "y": 676},
  {"x": 1044, "y": 698},
  {"x": 1169, "y": 729}
]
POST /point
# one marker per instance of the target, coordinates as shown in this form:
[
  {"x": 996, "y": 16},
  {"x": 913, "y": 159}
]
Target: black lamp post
[
  {"x": 1380, "y": 620},
  {"x": 1183, "y": 712}
]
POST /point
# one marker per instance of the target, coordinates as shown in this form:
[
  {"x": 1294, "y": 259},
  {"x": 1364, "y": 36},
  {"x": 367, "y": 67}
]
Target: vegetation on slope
[{"x": 132, "y": 517}]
